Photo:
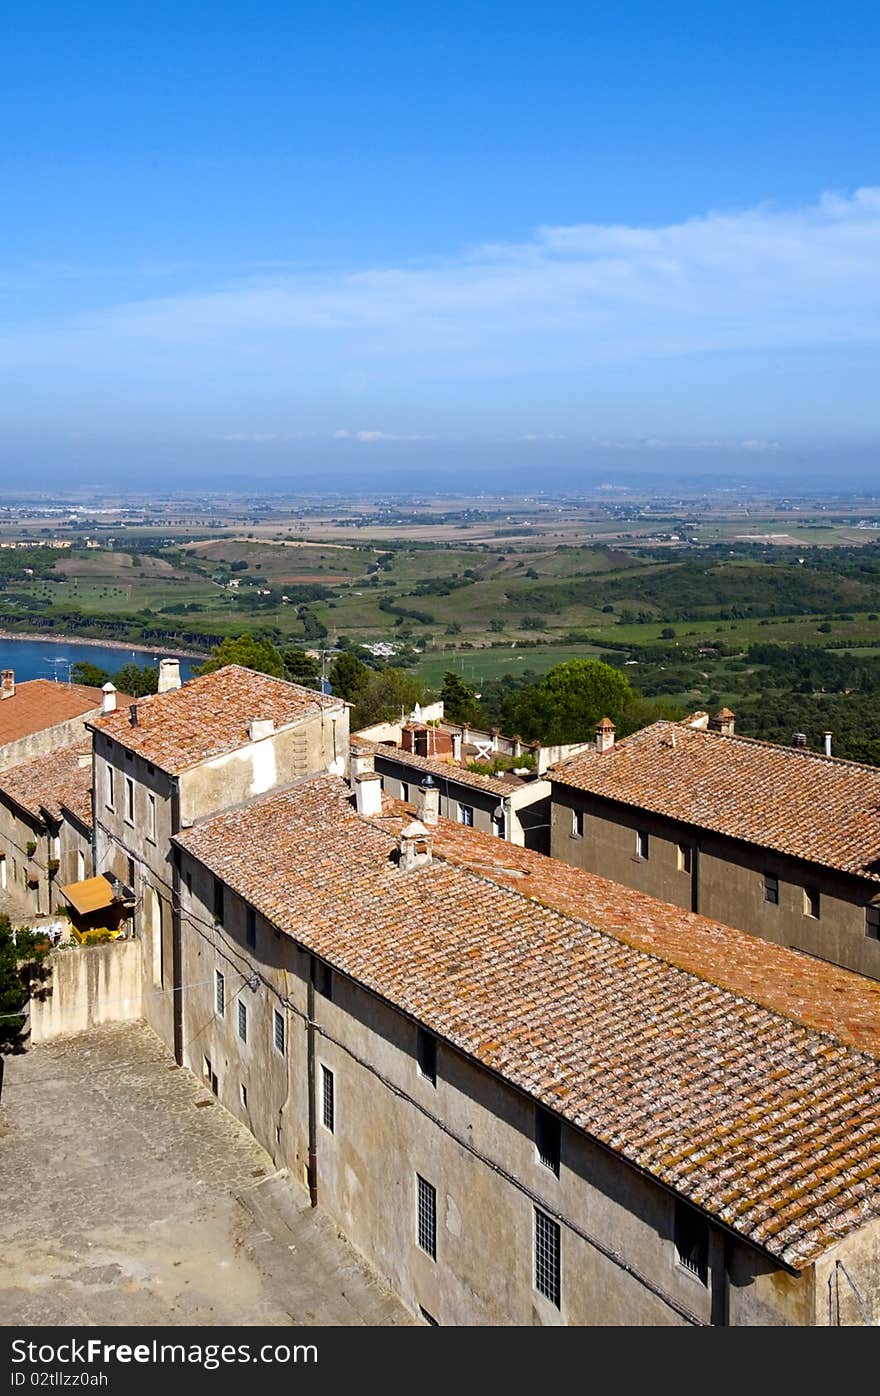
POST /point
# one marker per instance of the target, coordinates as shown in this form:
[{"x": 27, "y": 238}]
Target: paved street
[{"x": 125, "y": 1199}]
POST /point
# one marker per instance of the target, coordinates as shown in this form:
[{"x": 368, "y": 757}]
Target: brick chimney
[
  {"x": 723, "y": 722},
  {"x": 414, "y": 844},
  {"x": 7, "y": 683},
  {"x": 108, "y": 699},
  {"x": 368, "y": 794},
  {"x": 169, "y": 675},
  {"x": 605, "y": 735},
  {"x": 428, "y": 802}
]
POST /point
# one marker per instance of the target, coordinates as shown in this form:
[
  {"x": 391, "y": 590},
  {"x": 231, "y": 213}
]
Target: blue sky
[{"x": 277, "y": 240}]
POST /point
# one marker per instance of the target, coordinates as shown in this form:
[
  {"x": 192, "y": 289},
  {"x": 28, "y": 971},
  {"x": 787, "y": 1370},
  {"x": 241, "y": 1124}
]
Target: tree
[
  {"x": 568, "y": 702},
  {"x": 249, "y": 652},
  {"x": 348, "y": 675},
  {"x": 21, "y": 968},
  {"x": 385, "y": 695},
  {"x": 89, "y": 674},
  {"x": 460, "y": 701},
  {"x": 137, "y": 680},
  {"x": 301, "y": 668}
]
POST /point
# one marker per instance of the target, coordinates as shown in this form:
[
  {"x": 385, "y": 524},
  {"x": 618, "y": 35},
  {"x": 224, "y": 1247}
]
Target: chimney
[
  {"x": 7, "y": 683},
  {"x": 133, "y": 714},
  {"x": 260, "y": 727},
  {"x": 368, "y": 794},
  {"x": 799, "y": 739},
  {"x": 428, "y": 802},
  {"x": 605, "y": 735},
  {"x": 108, "y": 700},
  {"x": 84, "y": 760},
  {"x": 828, "y": 736},
  {"x": 169, "y": 675},
  {"x": 723, "y": 722},
  {"x": 699, "y": 721},
  {"x": 456, "y": 747},
  {"x": 414, "y": 844},
  {"x": 361, "y": 762}
]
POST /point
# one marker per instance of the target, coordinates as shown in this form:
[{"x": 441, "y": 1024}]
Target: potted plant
[{"x": 30, "y": 848}]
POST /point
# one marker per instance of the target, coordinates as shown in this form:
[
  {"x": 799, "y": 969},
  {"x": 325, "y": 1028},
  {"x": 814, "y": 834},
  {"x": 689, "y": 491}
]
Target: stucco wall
[
  {"x": 89, "y": 984},
  {"x": 48, "y": 740},
  {"x": 726, "y": 880},
  {"x": 470, "y": 1135}
]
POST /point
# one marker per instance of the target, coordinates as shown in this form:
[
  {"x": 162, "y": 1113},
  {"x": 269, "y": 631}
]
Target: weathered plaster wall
[{"x": 88, "y": 985}]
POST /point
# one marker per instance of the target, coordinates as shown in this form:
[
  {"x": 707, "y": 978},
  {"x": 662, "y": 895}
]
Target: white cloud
[{"x": 568, "y": 301}]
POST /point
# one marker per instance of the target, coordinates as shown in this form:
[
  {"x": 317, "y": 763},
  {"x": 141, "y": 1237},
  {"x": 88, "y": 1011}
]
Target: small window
[
  {"x": 691, "y": 1241},
  {"x": 220, "y": 992},
  {"x": 218, "y": 901},
  {"x": 80, "y": 865},
  {"x": 251, "y": 927},
  {"x": 771, "y": 889},
  {"x": 404, "y": 792},
  {"x": 242, "y": 1020},
  {"x": 131, "y": 873},
  {"x": 547, "y": 1133},
  {"x": 872, "y": 922},
  {"x": 426, "y": 1216},
  {"x": 322, "y": 978},
  {"x": 685, "y": 857},
  {"x": 426, "y": 1053},
  {"x": 278, "y": 1035},
  {"x": 111, "y": 788},
  {"x": 811, "y": 903},
  {"x": 577, "y": 823},
  {"x": 151, "y": 816},
  {"x": 641, "y": 845},
  {"x": 547, "y": 1256},
  {"x": 243, "y": 1089},
  {"x": 129, "y": 800},
  {"x": 328, "y": 1099},
  {"x": 466, "y": 815}
]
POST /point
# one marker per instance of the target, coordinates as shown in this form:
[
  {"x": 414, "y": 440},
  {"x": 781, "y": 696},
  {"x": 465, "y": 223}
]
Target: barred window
[
  {"x": 547, "y": 1257},
  {"x": 328, "y": 1099},
  {"x": 426, "y": 1216},
  {"x": 220, "y": 992},
  {"x": 692, "y": 1241},
  {"x": 426, "y": 1053},
  {"x": 242, "y": 1020},
  {"x": 547, "y": 1139},
  {"x": 279, "y": 1032}
]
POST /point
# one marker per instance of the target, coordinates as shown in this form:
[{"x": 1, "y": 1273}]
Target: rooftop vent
[
  {"x": 414, "y": 845},
  {"x": 799, "y": 739},
  {"x": 7, "y": 683},
  {"x": 108, "y": 699},
  {"x": 605, "y": 735},
  {"x": 169, "y": 675},
  {"x": 723, "y": 722}
]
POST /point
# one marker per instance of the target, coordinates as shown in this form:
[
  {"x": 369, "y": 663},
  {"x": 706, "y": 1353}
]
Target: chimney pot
[
  {"x": 605, "y": 735},
  {"x": 7, "y": 683},
  {"x": 828, "y": 736},
  {"x": 133, "y": 714},
  {"x": 723, "y": 722},
  {"x": 260, "y": 727},
  {"x": 169, "y": 675},
  {"x": 361, "y": 762},
  {"x": 428, "y": 802},
  {"x": 108, "y": 700},
  {"x": 368, "y": 794},
  {"x": 414, "y": 845}
]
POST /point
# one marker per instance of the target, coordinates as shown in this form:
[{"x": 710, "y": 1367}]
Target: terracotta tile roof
[
  {"x": 771, "y": 1126},
  {"x": 40, "y": 703},
  {"x": 813, "y": 807},
  {"x": 443, "y": 770},
  {"x": 50, "y": 782},
  {"x": 209, "y": 716}
]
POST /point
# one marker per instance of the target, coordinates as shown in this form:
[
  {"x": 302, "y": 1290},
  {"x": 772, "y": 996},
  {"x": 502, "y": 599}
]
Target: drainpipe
[
  {"x": 313, "y": 1113},
  {"x": 176, "y": 943},
  {"x": 695, "y": 878}
]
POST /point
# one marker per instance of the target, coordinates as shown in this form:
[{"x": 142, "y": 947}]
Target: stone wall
[{"x": 87, "y": 985}]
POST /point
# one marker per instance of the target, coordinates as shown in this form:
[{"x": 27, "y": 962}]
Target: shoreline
[{"x": 43, "y": 638}]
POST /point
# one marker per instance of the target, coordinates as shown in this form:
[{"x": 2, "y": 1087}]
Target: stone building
[
  {"x": 45, "y": 829},
  {"x": 511, "y": 803},
  {"x": 527, "y": 1094},
  {"x": 778, "y": 841},
  {"x": 39, "y": 716},
  {"x": 169, "y": 760}
]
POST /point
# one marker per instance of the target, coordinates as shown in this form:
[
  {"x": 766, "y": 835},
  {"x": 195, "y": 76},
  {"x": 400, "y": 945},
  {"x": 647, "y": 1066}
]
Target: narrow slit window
[
  {"x": 278, "y": 1032},
  {"x": 328, "y": 1099},
  {"x": 220, "y": 992},
  {"x": 547, "y": 1257},
  {"x": 691, "y": 1241},
  {"x": 547, "y": 1137},
  {"x": 242, "y": 1021},
  {"x": 426, "y": 1216},
  {"x": 771, "y": 889},
  {"x": 426, "y": 1053}
]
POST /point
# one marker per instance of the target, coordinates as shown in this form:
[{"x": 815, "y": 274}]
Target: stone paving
[{"x": 128, "y": 1195}]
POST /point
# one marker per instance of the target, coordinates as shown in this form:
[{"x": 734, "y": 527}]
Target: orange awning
[{"x": 94, "y": 894}]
